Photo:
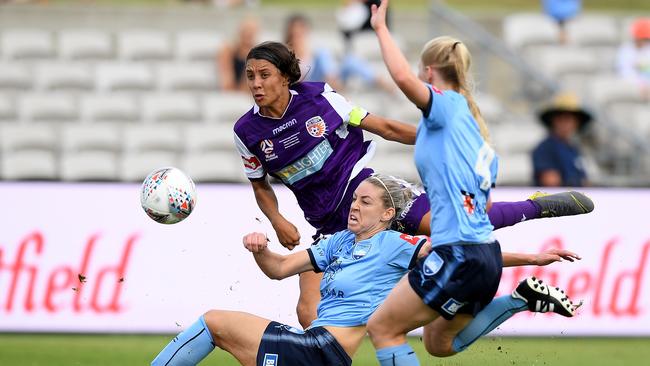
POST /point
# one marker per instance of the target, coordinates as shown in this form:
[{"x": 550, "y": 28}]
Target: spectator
[
  {"x": 317, "y": 64},
  {"x": 231, "y": 58},
  {"x": 634, "y": 57},
  {"x": 562, "y": 11},
  {"x": 557, "y": 160}
]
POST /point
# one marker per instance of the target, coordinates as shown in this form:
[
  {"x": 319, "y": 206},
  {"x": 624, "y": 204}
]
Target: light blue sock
[
  {"x": 496, "y": 312},
  {"x": 188, "y": 348},
  {"x": 402, "y": 355}
]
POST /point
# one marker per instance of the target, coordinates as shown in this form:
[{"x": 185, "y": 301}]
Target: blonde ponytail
[{"x": 451, "y": 58}]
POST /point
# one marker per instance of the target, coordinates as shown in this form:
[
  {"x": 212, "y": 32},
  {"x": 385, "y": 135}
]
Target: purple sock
[{"x": 504, "y": 214}]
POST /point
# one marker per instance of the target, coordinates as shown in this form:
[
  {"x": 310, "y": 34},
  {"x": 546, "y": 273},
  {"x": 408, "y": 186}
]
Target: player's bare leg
[
  {"x": 237, "y": 333},
  {"x": 438, "y": 336},
  {"x": 307, "y": 308}
]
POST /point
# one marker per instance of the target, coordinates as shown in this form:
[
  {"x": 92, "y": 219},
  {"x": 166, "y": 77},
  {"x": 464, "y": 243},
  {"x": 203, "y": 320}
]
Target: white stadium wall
[{"x": 140, "y": 276}]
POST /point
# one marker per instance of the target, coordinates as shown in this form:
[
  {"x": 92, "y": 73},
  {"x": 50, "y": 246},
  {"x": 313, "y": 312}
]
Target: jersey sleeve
[
  {"x": 252, "y": 164},
  {"x": 406, "y": 250},
  {"x": 436, "y": 113},
  {"x": 322, "y": 251},
  {"x": 342, "y": 106}
]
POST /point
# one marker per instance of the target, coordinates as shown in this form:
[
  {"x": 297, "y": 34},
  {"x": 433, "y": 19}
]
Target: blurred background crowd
[{"x": 109, "y": 90}]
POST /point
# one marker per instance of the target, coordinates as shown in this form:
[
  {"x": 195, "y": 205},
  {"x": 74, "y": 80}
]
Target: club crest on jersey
[
  {"x": 267, "y": 148},
  {"x": 316, "y": 126}
]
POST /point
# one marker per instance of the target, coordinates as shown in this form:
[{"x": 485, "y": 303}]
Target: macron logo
[{"x": 284, "y": 126}]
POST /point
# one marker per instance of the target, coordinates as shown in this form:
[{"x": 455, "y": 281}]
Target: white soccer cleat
[{"x": 542, "y": 298}]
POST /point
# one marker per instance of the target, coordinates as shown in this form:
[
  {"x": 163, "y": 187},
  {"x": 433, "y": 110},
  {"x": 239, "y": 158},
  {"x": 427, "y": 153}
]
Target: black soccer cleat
[
  {"x": 563, "y": 204},
  {"x": 542, "y": 298}
]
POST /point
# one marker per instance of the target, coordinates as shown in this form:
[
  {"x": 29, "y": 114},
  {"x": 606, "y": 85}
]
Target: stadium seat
[
  {"x": 144, "y": 45},
  {"x": 515, "y": 169},
  {"x": 197, "y": 45},
  {"x": 26, "y": 44},
  {"x": 109, "y": 108},
  {"x": 607, "y": 89},
  {"x": 28, "y": 137},
  {"x": 102, "y": 137},
  {"x": 15, "y": 76},
  {"x": 642, "y": 120},
  {"x": 187, "y": 76},
  {"x": 170, "y": 108},
  {"x": 558, "y": 61},
  {"x": 135, "y": 166},
  {"x": 89, "y": 166},
  {"x": 29, "y": 164},
  {"x": 208, "y": 137},
  {"x": 214, "y": 166},
  {"x": 85, "y": 44},
  {"x": 127, "y": 76},
  {"x": 7, "y": 108},
  {"x": 491, "y": 108},
  {"x": 143, "y": 138},
  {"x": 64, "y": 76},
  {"x": 225, "y": 107},
  {"x": 529, "y": 29},
  {"x": 593, "y": 30},
  {"x": 365, "y": 45},
  {"x": 47, "y": 107},
  {"x": 516, "y": 137}
]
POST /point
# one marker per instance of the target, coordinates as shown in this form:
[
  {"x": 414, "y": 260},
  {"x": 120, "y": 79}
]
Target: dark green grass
[{"x": 71, "y": 350}]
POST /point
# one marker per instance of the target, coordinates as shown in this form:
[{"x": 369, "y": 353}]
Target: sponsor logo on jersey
[
  {"x": 270, "y": 359},
  {"x": 316, "y": 126},
  {"x": 251, "y": 163},
  {"x": 284, "y": 126},
  {"x": 452, "y": 306},
  {"x": 307, "y": 165},
  {"x": 468, "y": 202},
  {"x": 267, "y": 148}
]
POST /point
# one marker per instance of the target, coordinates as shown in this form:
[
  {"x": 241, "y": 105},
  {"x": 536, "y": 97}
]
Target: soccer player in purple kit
[{"x": 303, "y": 133}]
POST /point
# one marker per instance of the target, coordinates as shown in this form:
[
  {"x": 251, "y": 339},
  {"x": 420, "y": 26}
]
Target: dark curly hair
[{"x": 280, "y": 56}]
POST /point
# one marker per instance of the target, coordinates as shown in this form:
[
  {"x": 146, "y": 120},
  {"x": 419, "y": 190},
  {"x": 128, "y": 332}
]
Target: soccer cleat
[
  {"x": 542, "y": 298},
  {"x": 563, "y": 204}
]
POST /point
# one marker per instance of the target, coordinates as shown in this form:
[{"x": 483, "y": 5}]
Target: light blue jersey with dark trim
[
  {"x": 357, "y": 277},
  {"x": 458, "y": 169}
]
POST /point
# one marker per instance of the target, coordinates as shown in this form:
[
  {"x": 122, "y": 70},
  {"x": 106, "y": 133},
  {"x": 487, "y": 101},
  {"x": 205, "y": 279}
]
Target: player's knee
[
  {"x": 212, "y": 319},
  {"x": 438, "y": 348},
  {"x": 377, "y": 331}
]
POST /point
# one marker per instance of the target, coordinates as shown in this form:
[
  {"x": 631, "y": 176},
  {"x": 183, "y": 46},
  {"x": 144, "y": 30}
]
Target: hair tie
[{"x": 455, "y": 44}]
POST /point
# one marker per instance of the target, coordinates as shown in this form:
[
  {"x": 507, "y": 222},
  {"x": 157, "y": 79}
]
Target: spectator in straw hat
[
  {"x": 557, "y": 160},
  {"x": 634, "y": 57}
]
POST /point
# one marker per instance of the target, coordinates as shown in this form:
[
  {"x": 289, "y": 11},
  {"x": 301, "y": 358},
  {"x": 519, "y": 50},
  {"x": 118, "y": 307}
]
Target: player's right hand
[
  {"x": 287, "y": 233},
  {"x": 255, "y": 242},
  {"x": 378, "y": 17}
]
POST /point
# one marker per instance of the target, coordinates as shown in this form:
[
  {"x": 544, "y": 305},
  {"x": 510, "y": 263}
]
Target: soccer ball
[{"x": 168, "y": 195}]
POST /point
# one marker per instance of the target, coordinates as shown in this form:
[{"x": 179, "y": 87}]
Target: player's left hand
[
  {"x": 555, "y": 255},
  {"x": 378, "y": 17},
  {"x": 255, "y": 242}
]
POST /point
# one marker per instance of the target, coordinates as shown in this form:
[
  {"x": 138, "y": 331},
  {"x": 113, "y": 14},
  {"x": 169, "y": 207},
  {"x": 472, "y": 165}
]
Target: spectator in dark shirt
[{"x": 557, "y": 160}]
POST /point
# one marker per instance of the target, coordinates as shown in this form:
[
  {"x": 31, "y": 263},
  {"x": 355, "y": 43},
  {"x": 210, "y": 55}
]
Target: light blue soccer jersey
[
  {"x": 357, "y": 277},
  {"x": 458, "y": 169}
]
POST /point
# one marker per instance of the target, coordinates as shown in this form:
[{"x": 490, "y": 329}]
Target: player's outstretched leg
[
  {"x": 189, "y": 347},
  {"x": 542, "y": 298},
  {"x": 531, "y": 294},
  {"x": 563, "y": 204},
  {"x": 539, "y": 205}
]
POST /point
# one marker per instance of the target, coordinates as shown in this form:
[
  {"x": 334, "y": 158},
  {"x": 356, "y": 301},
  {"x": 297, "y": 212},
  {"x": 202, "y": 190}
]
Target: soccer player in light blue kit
[
  {"x": 360, "y": 266},
  {"x": 448, "y": 292}
]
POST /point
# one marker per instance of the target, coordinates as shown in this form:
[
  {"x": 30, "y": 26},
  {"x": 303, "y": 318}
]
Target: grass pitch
[{"x": 72, "y": 350}]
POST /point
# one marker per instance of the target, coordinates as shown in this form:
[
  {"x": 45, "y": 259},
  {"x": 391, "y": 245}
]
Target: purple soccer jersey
[{"x": 310, "y": 148}]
